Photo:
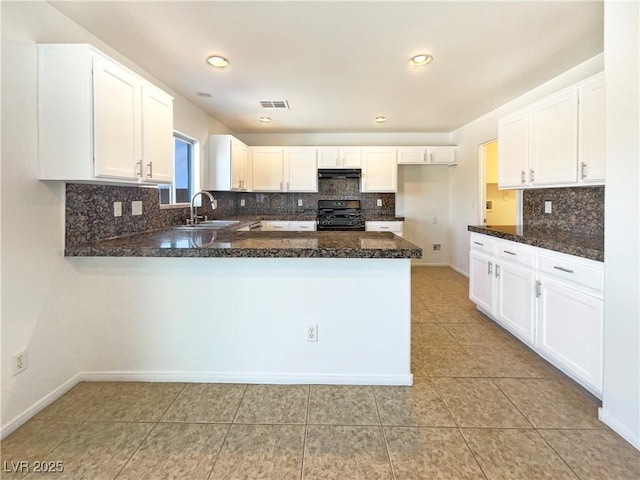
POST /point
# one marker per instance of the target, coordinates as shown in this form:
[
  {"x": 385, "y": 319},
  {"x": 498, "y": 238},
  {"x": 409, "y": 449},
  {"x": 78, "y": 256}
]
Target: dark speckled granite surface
[
  {"x": 183, "y": 242},
  {"x": 580, "y": 244}
]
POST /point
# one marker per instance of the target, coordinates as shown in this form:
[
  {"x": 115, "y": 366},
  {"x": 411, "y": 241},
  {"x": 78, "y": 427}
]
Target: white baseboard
[
  {"x": 202, "y": 377},
  {"x": 632, "y": 437},
  {"x": 38, "y": 406},
  {"x": 460, "y": 271},
  {"x": 248, "y": 377}
]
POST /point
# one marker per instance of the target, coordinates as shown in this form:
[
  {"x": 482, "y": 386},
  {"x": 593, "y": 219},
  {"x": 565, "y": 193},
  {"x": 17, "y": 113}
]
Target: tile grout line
[
  {"x": 306, "y": 424},
  {"x": 227, "y": 434},
  {"x": 559, "y": 456},
  {"x": 155, "y": 424},
  {"x": 384, "y": 434}
]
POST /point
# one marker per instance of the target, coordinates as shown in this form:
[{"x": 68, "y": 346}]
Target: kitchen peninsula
[{"x": 271, "y": 307}]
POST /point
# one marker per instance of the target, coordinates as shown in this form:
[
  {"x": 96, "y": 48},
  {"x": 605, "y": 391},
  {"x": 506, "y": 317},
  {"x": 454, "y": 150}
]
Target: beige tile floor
[{"x": 482, "y": 407}]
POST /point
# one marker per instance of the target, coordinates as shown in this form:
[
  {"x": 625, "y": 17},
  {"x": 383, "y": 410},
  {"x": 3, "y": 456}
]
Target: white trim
[
  {"x": 248, "y": 377},
  {"x": 619, "y": 427},
  {"x": 459, "y": 270},
  {"x": 38, "y": 406}
]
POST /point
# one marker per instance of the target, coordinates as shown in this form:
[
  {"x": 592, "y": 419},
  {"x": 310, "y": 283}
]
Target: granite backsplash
[
  {"x": 575, "y": 209},
  {"x": 89, "y": 208}
]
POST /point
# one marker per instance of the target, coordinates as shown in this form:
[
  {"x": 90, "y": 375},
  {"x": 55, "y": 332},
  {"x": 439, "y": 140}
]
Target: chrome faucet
[{"x": 193, "y": 210}]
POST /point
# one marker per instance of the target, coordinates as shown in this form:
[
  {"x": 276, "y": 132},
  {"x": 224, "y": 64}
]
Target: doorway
[{"x": 497, "y": 207}]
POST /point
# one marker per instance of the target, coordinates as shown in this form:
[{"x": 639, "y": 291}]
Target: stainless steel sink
[{"x": 210, "y": 225}]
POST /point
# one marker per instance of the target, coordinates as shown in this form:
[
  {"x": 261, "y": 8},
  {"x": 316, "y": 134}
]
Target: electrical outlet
[
  {"x": 117, "y": 209},
  {"x": 242, "y": 202},
  {"x": 379, "y": 202},
  {"x": 136, "y": 208},
  {"x": 312, "y": 333},
  {"x": 547, "y": 206},
  {"x": 299, "y": 202},
  {"x": 20, "y": 362},
  {"x": 437, "y": 247}
]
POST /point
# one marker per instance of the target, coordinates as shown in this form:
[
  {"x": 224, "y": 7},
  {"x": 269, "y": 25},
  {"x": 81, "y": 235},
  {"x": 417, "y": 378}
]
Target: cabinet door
[
  {"x": 441, "y": 155},
  {"x": 117, "y": 122},
  {"x": 268, "y": 169},
  {"x": 274, "y": 226},
  {"x": 516, "y": 299},
  {"x": 513, "y": 151},
  {"x": 395, "y": 227},
  {"x": 157, "y": 135},
  {"x": 412, "y": 156},
  {"x": 554, "y": 145},
  {"x": 239, "y": 166},
  {"x": 302, "y": 226},
  {"x": 570, "y": 330},
  {"x": 481, "y": 283},
  {"x": 328, "y": 157},
  {"x": 380, "y": 170},
  {"x": 592, "y": 147},
  {"x": 351, "y": 157},
  {"x": 301, "y": 171}
]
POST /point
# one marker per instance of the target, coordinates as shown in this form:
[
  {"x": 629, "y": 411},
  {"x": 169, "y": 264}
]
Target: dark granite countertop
[
  {"x": 184, "y": 242},
  {"x": 581, "y": 245},
  {"x": 372, "y": 217}
]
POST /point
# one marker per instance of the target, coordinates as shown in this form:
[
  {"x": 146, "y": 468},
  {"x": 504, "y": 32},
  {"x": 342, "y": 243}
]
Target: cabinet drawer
[
  {"x": 482, "y": 243},
  {"x": 395, "y": 227},
  {"x": 302, "y": 226},
  {"x": 271, "y": 226},
  {"x": 515, "y": 253},
  {"x": 580, "y": 272}
]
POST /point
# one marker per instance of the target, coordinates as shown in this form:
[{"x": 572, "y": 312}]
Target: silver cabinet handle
[
  {"x": 562, "y": 269},
  {"x": 139, "y": 168},
  {"x": 382, "y": 227},
  {"x": 489, "y": 268},
  {"x": 583, "y": 170},
  {"x": 150, "y": 165},
  {"x": 478, "y": 243},
  {"x": 538, "y": 289},
  {"x": 523, "y": 176},
  {"x": 531, "y": 175},
  {"x": 509, "y": 253},
  {"x": 497, "y": 270}
]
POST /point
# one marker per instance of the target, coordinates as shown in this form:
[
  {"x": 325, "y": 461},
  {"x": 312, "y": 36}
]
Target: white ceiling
[{"x": 339, "y": 64}]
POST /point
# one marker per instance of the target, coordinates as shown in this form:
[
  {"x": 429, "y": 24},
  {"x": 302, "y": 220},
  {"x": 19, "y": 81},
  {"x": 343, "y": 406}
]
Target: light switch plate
[
  {"x": 242, "y": 202},
  {"x": 136, "y": 208},
  {"x": 117, "y": 209},
  {"x": 547, "y": 207},
  {"x": 379, "y": 202},
  {"x": 299, "y": 202}
]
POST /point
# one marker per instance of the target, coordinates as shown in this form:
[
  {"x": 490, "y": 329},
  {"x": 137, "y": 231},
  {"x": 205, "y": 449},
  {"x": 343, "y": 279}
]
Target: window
[{"x": 184, "y": 149}]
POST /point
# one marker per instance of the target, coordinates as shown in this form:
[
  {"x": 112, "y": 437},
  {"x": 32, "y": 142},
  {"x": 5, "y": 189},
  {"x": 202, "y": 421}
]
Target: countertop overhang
[
  {"x": 572, "y": 243},
  {"x": 183, "y": 242}
]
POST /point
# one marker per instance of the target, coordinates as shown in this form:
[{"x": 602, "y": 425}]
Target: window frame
[{"x": 193, "y": 168}]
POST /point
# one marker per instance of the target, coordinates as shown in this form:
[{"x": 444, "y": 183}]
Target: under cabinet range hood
[{"x": 339, "y": 173}]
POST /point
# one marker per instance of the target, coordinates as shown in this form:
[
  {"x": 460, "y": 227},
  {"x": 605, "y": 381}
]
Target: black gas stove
[{"x": 340, "y": 215}]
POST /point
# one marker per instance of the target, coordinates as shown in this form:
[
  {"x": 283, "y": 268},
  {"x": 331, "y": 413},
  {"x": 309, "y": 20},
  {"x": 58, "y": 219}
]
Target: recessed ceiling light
[
  {"x": 203, "y": 94},
  {"x": 218, "y": 61},
  {"x": 421, "y": 59},
  {"x": 265, "y": 119},
  {"x": 381, "y": 119}
]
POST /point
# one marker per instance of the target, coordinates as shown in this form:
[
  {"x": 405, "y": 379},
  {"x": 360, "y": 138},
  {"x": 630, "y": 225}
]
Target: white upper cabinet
[
  {"x": 284, "y": 169},
  {"x": 157, "y": 146},
  {"x": 592, "y": 147},
  {"x": 379, "y": 170},
  {"x": 339, "y": 157},
  {"x": 427, "y": 155},
  {"x": 554, "y": 140},
  {"x": 513, "y": 150},
  {"x": 98, "y": 121},
  {"x": 268, "y": 169},
  {"x": 300, "y": 169},
  {"x": 228, "y": 166},
  {"x": 557, "y": 141}
]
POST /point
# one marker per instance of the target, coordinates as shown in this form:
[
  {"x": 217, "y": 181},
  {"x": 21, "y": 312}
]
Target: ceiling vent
[{"x": 275, "y": 104}]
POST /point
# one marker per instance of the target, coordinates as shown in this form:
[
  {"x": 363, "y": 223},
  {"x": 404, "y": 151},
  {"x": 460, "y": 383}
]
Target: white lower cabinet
[
  {"x": 392, "y": 226},
  {"x": 570, "y": 329},
  {"x": 553, "y": 302}
]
